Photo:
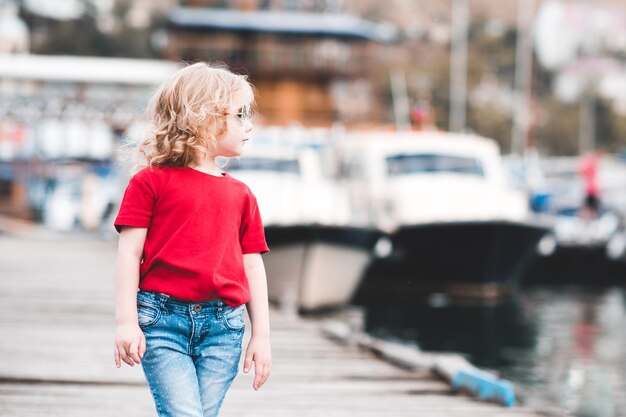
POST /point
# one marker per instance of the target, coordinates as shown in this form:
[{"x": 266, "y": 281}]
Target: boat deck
[{"x": 56, "y": 321}]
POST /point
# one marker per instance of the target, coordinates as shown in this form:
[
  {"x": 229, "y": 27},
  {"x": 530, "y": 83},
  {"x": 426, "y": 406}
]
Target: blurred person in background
[{"x": 588, "y": 168}]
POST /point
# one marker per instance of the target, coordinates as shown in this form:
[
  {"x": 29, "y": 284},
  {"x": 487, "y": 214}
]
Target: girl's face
[{"x": 238, "y": 127}]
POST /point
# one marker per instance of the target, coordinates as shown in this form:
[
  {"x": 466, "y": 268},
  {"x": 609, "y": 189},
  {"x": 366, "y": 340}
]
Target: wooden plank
[{"x": 56, "y": 321}]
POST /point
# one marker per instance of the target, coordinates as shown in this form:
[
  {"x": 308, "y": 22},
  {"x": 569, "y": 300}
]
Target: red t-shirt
[{"x": 199, "y": 227}]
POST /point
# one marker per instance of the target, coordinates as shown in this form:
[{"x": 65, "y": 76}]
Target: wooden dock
[{"x": 57, "y": 326}]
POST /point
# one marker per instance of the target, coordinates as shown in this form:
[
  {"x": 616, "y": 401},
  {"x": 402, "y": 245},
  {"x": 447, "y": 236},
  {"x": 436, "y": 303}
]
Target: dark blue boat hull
[
  {"x": 580, "y": 265},
  {"x": 440, "y": 254},
  {"x": 363, "y": 238}
]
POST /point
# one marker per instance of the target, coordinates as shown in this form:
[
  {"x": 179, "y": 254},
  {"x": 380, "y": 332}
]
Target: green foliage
[
  {"x": 557, "y": 129},
  {"x": 619, "y": 122},
  {"x": 82, "y": 36},
  {"x": 610, "y": 126},
  {"x": 491, "y": 122}
]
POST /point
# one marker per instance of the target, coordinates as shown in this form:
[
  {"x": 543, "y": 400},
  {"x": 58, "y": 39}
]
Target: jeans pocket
[
  {"x": 148, "y": 315},
  {"x": 233, "y": 317}
]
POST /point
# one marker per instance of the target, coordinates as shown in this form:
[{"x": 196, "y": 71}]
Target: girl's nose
[{"x": 248, "y": 126}]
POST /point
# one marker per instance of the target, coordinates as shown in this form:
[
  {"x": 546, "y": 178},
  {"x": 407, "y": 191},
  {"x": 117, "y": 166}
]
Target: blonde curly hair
[{"x": 187, "y": 115}]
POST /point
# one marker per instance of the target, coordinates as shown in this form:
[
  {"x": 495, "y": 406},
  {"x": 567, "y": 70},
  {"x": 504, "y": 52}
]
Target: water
[{"x": 564, "y": 348}]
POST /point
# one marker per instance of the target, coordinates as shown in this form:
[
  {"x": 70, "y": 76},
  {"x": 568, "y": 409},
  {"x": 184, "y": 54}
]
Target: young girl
[{"x": 191, "y": 240}]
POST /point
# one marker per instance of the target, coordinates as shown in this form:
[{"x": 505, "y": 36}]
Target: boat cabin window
[
  {"x": 263, "y": 164},
  {"x": 406, "y": 164}
]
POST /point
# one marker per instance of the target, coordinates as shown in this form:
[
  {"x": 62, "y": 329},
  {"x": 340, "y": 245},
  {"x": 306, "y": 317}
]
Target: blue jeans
[{"x": 192, "y": 352}]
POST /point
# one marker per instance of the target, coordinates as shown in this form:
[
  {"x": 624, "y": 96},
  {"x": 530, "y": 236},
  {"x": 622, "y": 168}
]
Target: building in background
[
  {"x": 310, "y": 64},
  {"x": 61, "y": 118}
]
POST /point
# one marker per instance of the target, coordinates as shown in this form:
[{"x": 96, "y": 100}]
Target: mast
[
  {"x": 458, "y": 65},
  {"x": 523, "y": 78},
  {"x": 400, "y": 100}
]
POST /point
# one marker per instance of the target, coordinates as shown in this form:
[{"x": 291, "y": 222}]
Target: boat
[
  {"x": 588, "y": 252},
  {"x": 444, "y": 201},
  {"x": 586, "y": 249},
  {"x": 315, "y": 267},
  {"x": 316, "y": 258}
]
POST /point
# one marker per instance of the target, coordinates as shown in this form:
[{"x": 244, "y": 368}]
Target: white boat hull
[{"x": 315, "y": 273}]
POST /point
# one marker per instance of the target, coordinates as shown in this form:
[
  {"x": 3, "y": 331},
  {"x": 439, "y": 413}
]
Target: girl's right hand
[{"x": 130, "y": 344}]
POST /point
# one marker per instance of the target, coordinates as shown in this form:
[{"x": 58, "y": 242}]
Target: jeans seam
[
  {"x": 154, "y": 320},
  {"x": 224, "y": 320},
  {"x": 157, "y": 402},
  {"x": 192, "y": 335}
]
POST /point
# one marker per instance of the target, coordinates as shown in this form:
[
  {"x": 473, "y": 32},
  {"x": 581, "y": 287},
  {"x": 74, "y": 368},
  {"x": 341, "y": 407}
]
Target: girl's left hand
[{"x": 260, "y": 353}]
